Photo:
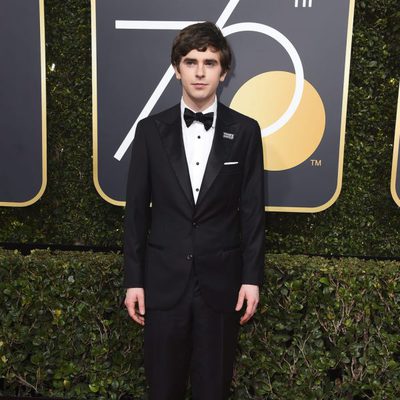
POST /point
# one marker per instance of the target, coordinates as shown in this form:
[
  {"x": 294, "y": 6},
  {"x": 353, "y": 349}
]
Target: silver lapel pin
[{"x": 227, "y": 135}]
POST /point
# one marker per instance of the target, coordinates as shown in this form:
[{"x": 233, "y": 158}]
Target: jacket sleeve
[
  {"x": 252, "y": 213},
  {"x": 137, "y": 211}
]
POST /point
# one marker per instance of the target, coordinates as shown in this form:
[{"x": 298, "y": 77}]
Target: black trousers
[{"x": 190, "y": 341}]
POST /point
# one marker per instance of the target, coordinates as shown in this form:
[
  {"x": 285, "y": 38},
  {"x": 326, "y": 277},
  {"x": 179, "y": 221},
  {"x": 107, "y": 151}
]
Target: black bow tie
[{"x": 205, "y": 119}]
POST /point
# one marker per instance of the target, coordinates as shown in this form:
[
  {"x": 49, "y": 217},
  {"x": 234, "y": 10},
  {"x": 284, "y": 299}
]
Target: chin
[{"x": 201, "y": 97}]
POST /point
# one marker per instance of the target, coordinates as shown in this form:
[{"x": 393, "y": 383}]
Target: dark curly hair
[{"x": 200, "y": 36}]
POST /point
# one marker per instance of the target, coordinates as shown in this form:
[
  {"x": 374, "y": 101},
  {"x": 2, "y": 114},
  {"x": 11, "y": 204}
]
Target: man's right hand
[{"x": 133, "y": 296}]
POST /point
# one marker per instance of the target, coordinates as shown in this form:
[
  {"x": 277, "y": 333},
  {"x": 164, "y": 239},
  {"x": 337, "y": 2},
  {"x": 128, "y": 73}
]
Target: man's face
[{"x": 200, "y": 73}]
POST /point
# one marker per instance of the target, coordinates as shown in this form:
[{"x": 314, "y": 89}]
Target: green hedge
[
  {"x": 326, "y": 329},
  {"x": 364, "y": 220}
]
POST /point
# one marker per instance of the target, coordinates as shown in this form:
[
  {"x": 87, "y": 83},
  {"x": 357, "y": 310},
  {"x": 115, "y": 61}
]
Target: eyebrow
[{"x": 212, "y": 60}]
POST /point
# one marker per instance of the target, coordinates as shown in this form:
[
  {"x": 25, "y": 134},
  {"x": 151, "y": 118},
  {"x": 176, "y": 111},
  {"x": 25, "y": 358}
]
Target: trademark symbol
[{"x": 316, "y": 163}]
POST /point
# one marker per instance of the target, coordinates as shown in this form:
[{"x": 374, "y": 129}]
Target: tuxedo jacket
[{"x": 166, "y": 233}]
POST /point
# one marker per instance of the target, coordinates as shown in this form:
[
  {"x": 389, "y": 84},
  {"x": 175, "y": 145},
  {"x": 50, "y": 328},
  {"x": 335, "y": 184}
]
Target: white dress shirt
[{"x": 197, "y": 142}]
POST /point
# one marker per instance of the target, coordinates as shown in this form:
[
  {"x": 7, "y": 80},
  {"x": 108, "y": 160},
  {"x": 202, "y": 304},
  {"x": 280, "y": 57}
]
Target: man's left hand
[{"x": 251, "y": 294}]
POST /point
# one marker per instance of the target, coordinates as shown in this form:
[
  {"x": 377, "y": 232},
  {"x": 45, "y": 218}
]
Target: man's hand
[
  {"x": 251, "y": 294},
  {"x": 133, "y": 296}
]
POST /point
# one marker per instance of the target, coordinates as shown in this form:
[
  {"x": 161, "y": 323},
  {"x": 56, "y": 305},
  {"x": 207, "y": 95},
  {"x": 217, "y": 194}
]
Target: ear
[
  {"x": 223, "y": 76},
  {"x": 177, "y": 73}
]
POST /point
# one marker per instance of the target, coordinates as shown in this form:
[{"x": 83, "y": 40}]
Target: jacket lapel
[
  {"x": 220, "y": 150},
  {"x": 171, "y": 135},
  {"x": 170, "y": 129}
]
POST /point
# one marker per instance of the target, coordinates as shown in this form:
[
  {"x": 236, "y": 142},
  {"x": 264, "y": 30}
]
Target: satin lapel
[
  {"x": 171, "y": 136},
  {"x": 220, "y": 150}
]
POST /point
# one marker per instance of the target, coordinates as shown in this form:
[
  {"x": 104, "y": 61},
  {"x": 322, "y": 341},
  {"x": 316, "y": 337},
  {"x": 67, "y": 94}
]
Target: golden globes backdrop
[
  {"x": 22, "y": 102},
  {"x": 290, "y": 73},
  {"x": 395, "y": 182}
]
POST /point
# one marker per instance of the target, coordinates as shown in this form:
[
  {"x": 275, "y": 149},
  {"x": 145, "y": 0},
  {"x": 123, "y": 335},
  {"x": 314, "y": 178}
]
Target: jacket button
[
  {"x": 195, "y": 224},
  {"x": 189, "y": 257}
]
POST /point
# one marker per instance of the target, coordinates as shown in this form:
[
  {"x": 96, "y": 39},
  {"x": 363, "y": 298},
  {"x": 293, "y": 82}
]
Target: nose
[{"x": 200, "y": 70}]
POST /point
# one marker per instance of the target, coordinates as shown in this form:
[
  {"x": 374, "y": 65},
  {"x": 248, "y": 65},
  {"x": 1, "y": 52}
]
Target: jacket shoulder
[
  {"x": 168, "y": 116},
  {"x": 248, "y": 126},
  {"x": 233, "y": 116}
]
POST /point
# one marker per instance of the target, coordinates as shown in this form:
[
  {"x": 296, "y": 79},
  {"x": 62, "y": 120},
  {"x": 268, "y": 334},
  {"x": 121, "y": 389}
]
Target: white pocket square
[{"x": 231, "y": 162}]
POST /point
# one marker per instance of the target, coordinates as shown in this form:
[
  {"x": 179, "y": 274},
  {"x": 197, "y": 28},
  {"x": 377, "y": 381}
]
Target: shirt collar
[{"x": 211, "y": 108}]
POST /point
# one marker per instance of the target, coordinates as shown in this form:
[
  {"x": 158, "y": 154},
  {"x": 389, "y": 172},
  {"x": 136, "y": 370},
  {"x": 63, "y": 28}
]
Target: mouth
[{"x": 199, "y": 85}]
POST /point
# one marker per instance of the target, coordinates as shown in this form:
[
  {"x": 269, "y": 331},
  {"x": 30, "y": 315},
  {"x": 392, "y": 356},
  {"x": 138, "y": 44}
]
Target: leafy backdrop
[
  {"x": 364, "y": 221},
  {"x": 327, "y": 329}
]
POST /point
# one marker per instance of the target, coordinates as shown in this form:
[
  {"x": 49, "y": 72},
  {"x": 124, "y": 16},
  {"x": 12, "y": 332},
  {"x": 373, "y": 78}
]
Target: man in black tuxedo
[{"x": 194, "y": 226}]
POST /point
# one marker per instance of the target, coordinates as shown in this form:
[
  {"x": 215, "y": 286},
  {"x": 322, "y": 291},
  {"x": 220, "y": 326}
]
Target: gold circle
[{"x": 265, "y": 98}]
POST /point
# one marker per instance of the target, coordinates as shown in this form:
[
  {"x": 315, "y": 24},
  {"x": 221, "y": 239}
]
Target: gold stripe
[
  {"x": 95, "y": 114},
  {"x": 393, "y": 190},
  {"x": 342, "y": 129},
  {"x": 267, "y": 208},
  {"x": 44, "y": 115}
]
